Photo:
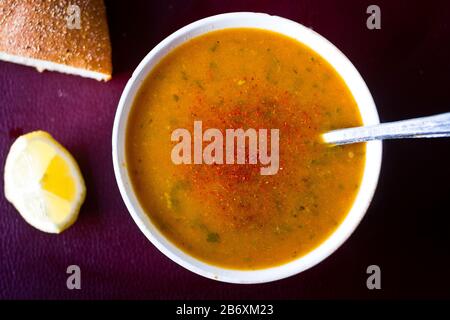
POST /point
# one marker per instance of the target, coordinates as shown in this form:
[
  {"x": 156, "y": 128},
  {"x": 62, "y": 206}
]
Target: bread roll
[{"x": 47, "y": 36}]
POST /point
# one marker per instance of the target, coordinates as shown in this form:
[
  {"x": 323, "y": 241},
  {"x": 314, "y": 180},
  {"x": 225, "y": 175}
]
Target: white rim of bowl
[{"x": 321, "y": 46}]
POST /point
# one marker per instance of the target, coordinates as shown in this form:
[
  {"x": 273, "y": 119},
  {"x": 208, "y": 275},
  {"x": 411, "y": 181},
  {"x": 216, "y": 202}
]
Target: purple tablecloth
[{"x": 406, "y": 230}]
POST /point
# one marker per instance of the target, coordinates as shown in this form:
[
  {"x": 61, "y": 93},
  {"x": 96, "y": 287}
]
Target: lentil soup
[{"x": 230, "y": 215}]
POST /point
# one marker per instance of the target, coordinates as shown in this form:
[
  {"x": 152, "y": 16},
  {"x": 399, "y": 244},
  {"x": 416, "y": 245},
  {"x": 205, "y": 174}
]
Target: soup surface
[{"x": 229, "y": 214}]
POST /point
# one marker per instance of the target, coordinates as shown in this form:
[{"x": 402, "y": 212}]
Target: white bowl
[{"x": 346, "y": 70}]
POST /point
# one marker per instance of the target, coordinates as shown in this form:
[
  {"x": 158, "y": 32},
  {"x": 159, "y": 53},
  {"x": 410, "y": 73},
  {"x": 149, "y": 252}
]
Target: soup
[{"x": 230, "y": 214}]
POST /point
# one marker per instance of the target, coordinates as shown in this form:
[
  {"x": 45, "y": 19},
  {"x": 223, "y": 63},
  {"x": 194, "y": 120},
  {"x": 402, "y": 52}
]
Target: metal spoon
[{"x": 427, "y": 127}]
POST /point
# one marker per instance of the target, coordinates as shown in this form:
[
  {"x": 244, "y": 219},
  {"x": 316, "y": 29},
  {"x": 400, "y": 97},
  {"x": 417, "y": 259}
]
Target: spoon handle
[{"x": 426, "y": 127}]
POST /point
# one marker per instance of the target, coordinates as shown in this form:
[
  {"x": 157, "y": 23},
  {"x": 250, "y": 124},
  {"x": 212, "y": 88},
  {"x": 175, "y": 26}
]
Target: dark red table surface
[{"x": 406, "y": 230}]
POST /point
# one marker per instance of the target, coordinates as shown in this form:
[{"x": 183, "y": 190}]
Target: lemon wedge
[{"x": 43, "y": 182}]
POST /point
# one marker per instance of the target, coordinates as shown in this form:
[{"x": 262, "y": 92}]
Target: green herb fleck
[
  {"x": 214, "y": 46},
  {"x": 199, "y": 84},
  {"x": 213, "y": 237}
]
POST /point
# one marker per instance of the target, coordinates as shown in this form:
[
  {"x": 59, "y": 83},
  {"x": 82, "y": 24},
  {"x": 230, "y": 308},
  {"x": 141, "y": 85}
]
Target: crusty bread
[{"x": 36, "y": 33}]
